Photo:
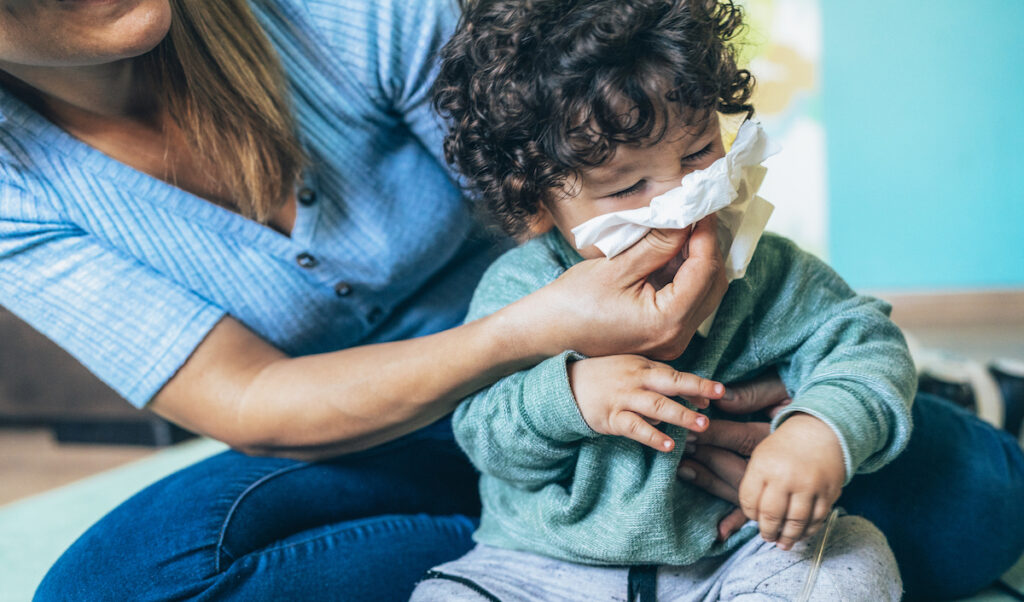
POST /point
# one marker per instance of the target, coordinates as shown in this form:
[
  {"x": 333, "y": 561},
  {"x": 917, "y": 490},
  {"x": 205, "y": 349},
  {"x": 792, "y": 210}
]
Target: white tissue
[{"x": 728, "y": 186}]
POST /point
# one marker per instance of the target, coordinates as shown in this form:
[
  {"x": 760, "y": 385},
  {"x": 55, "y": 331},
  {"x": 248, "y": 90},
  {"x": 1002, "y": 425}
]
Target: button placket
[
  {"x": 306, "y": 260},
  {"x": 306, "y": 196}
]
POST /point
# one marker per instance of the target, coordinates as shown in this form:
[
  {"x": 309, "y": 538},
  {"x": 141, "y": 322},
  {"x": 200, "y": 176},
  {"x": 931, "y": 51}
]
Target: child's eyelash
[
  {"x": 631, "y": 190},
  {"x": 697, "y": 155}
]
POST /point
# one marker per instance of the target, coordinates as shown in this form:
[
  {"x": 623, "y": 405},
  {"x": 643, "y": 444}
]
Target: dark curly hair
[{"x": 534, "y": 90}]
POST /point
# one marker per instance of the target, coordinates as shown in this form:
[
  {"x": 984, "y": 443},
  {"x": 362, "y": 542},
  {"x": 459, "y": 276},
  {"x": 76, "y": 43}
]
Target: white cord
[{"x": 812, "y": 576}]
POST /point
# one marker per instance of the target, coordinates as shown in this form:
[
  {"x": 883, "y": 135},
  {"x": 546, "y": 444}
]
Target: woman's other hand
[
  {"x": 609, "y": 306},
  {"x": 716, "y": 459}
]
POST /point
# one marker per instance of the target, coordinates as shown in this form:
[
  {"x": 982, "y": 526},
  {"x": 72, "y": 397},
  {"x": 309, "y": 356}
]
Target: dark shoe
[{"x": 961, "y": 380}]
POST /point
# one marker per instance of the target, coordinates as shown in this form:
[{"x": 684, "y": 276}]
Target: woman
[
  {"x": 240, "y": 219},
  {"x": 139, "y": 138}
]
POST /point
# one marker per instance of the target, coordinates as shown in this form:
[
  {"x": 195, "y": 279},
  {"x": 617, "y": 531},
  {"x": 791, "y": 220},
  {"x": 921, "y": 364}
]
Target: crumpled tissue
[{"x": 728, "y": 186}]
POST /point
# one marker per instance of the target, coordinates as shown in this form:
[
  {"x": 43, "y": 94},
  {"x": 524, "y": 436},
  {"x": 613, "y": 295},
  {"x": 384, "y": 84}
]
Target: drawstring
[{"x": 642, "y": 583}]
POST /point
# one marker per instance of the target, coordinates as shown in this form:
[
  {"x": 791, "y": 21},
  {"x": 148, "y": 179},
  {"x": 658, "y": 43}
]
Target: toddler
[{"x": 563, "y": 111}]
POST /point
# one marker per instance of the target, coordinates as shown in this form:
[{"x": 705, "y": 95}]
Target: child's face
[{"x": 633, "y": 176}]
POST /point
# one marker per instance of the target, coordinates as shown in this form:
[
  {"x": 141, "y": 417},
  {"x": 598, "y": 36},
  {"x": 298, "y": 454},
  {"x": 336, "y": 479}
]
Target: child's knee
[{"x": 858, "y": 565}]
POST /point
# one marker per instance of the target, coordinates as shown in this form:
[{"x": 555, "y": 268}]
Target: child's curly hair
[{"x": 536, "y": 89}]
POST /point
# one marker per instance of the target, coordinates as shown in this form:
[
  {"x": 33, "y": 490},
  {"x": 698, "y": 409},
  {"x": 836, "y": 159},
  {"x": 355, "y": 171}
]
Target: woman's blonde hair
[{"x": 225, "y": 88}]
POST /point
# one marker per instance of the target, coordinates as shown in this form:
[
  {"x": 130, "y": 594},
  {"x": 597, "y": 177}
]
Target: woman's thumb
[{"x": 653, "y": 251}]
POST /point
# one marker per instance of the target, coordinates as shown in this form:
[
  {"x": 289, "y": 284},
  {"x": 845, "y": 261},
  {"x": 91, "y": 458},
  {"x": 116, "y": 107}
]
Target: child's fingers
[
  {"x": 822, "y": 508},
  {"x": 658, "y": 407},
  {"x": 749, "y": 495},
  {"x": 771, "y": 512},
  {"x": 672, "y": 383},
  {"x": 798, "y": 517},
  {"x": 633, "y": 426}
]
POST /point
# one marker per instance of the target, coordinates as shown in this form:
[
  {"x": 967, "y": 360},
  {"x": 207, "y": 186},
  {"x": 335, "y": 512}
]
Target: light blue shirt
[{"x": 129, "y": 273}]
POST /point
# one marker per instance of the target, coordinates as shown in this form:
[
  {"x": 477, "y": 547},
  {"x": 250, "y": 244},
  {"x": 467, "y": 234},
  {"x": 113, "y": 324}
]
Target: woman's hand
[
  {"x": 609, "y": 306},
  {"x": 625, "y": 395},
  {"x": 716, "y": 459}
]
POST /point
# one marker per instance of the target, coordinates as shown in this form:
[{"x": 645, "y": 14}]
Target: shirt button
[
  {"x": 307, "y": 196},
  {"x": 375, "y": 314},
  {"x": 306, "y": 260},
  {"x": 342, "y": 289}
]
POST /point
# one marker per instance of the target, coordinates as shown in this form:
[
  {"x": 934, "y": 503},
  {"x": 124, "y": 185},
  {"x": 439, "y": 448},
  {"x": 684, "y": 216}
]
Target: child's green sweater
[{"x": 553, "y": 486}]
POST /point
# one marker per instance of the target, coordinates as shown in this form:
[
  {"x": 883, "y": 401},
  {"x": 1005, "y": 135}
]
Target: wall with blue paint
[{"x": 924, "y": 118}]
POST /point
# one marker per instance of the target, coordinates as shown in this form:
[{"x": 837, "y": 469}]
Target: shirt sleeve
[
  {"x": 525, "y": 429},
  {"x": 129, "y": 325},
  {"x": 841, "y": 357},
  {"x": 421, "y": 30}
]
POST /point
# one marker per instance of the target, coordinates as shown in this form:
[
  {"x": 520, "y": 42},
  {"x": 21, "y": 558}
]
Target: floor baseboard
[{"x": 956, "y": 308}]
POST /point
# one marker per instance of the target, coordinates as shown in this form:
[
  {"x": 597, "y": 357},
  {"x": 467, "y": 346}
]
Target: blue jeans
[
  {"x": 951, "y": 505},
  {"x": 368, "y": 525}
]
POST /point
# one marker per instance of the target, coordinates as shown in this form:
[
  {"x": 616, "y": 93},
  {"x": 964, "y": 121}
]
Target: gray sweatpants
[{"x": 858, "y": 566}]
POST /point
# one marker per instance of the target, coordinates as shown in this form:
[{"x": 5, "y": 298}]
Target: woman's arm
[{"x": 241, "y": 390}]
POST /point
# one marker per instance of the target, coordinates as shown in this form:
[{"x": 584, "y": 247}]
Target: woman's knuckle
[{"x": 747, "y": 443}]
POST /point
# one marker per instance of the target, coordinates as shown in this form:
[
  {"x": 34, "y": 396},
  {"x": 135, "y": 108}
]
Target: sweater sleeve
[
  {"x": 841, "y": 358},
  {"x": 525, "y": 428}
]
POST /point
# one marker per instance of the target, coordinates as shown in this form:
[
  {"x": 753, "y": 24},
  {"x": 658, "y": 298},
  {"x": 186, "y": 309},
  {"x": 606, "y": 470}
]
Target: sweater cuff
[
  {"x": 548, "y": 401},
  {"x": 859, "y": 432}
]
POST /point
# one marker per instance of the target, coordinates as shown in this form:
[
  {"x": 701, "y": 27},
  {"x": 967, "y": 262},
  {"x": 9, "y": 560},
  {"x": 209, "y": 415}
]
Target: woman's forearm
[
  {"x": 363, "y": 396},
  {"x": 240, "y": 390}
]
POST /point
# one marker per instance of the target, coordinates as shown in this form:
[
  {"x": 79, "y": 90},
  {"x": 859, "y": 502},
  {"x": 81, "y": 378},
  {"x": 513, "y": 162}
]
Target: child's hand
[
  {"x": 793, "y": 478},
  {"x": 626, "y": 394}
]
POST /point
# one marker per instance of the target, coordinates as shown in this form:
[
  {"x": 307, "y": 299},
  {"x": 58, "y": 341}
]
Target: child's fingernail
[
  {"x": 728, "y": 394},
  {"x": 719, "y": 388},
  {"x": 701, "y": 421},
  {"x": 687, "y": 473},
  {"x": 667, "y": 444}
]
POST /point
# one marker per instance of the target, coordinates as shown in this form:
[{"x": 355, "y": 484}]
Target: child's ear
[{"x": 541, "y": 221}]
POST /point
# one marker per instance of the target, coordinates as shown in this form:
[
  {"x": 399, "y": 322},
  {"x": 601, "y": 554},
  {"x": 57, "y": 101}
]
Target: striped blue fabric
[{"x": 129, "y": 273}]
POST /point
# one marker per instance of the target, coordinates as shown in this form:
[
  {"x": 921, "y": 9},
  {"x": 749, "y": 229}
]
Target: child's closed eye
[
  {"x": 687, "y": 161},
  {"x": 635, "y": 188},
  {"x": 697, "y": 156}
]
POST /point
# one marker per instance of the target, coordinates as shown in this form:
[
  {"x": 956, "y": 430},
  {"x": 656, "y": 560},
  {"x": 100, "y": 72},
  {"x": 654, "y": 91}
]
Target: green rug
[{"x": 35, "y": 531}]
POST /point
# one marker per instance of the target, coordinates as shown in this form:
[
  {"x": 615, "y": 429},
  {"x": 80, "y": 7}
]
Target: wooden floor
[{"x": 31, "y": 462}]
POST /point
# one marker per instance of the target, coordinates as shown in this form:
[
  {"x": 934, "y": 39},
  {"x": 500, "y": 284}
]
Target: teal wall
[{"x": 923, "y": 107}]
